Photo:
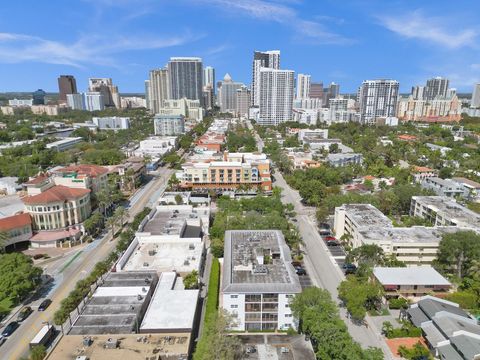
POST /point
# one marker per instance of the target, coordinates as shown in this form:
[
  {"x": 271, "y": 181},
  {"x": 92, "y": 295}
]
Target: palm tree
[
  {"x": 121, "y": 214},
  {"x": 4, "y": 237},
  {"x": 112, "y": 223}
]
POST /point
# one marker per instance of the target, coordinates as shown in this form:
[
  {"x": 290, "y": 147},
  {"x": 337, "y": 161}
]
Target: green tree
[
  {"x": 4, "y": 237},
  {"x": 333, "y": 148},
  {"x": 190, "y": 281},
  {"x": 38, "y": 352},
  {"x": 456, "y": 253},
  {"x": 417, "y": 352}
]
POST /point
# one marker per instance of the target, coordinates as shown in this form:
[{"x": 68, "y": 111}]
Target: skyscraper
[
  {"x": 377, "y": 98},
  {"x": 276, "y": 96},
  {"x": 159, "y": 89},
  {"x": 147, "y": 94},
  {"x": 94, "y": 101},
  {"x": 243, "y": 101},
  {"x": 262, "y": 59},
  {"x": 185, "y": 78},
  {"x": 303, "y": 86},
  {"x": 436, "y": 87},
  {"x": 39, "y": 97},
  {"x": 208, "y": 97},
  {"x": 227, "y": 94},
  {"x": 476, "y": 96},
  {"x": 66, "y": 85},
  {"x": 418, "y": 92},
  {"x": 316, "y": 90},
  {"x": 76, "y": 101},
  {"x": 111, "y": 96},
  {"x": 331, "y": 92},
  {"x": 209, "y": 77}
]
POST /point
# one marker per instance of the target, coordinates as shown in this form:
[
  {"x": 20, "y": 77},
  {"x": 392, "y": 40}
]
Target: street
[{"x": 80, "y": 264}]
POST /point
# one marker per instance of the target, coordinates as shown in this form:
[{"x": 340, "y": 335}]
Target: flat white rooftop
[{"x": 416, "y": 275}]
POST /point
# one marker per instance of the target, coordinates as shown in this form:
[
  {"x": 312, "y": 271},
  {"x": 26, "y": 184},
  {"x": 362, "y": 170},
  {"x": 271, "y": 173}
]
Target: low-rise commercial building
[
  {"x": 64, "y": 144},
  {"x": 410, "y": 281},
  {"x": 18, "y": 229},
  {"x": 83, "y": 176},
  {"x": 156, "y": 146},
  {"x": 258, "y": 280}
]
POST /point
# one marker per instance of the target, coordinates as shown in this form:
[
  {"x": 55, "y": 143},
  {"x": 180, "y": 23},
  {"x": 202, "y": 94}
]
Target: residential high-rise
[
  {"x": 209, "y": 77},
  {"x": 39, "y": 97},
  {"x": 418, "y": 92},
  {"x": 208, "y": 97},
  {"x": 476, "y": 96},
  {"x": 276, "y": 96},
  {"x": 76, "y": 101},
  {"x": 227, "y": 94},
  {"x": 303, "y": 86},
  {"x": 111, "y": 96},
  {"x": 94, "y": 101},
  {"x": 377, "y": 98},
  {"x": 262, "y": 59},
  {"x": 331, "y": 92},
  {"x": 66, "y": 85},
  {"x": 436, "y": 87},
  {"x": 169, "y": 125},
  {"x": 316, "y": 90},
  {"x": 243, "y": 101},
  {"x": 147, "y": 94},
  {"x": 159, "y": 89},
  {"x": 186, "y": 78}
]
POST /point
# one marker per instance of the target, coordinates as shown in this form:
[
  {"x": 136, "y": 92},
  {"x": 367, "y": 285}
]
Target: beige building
[
  {"x": 93, "y": 177},
  {"x": 190, "y": 109},
  {"x": 447, "y": 109}
]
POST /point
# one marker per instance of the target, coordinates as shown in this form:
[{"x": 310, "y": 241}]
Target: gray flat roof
[
  {"x": 418, "y": 275},
  {"x": 430, "y": 306},
  {"x": 243, "y": 271},
  {"x": 451, "y": 323},
  {"x": 468, "y": 346},
  {"x": 270, "y": 347},
  {"x": 417, "y": 316},
  {"x": 366, "y": 215},
  {"x": 447, "y": 352}
]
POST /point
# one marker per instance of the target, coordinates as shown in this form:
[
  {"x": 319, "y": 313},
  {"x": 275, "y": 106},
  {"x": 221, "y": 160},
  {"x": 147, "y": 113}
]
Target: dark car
[
  {"x": 324, "y": 226},
  {"x": 325, "y": 232},
  {"x": 300, "y": 271},
  {"x": 24, "y": 313},
  {"x": 349, "y": 268},
  {"x": 332, "y": 243},
  {"x": 44, "y": 304},
  {"x": 10, "y": 328},
  {"x": 296, "y": 264}
]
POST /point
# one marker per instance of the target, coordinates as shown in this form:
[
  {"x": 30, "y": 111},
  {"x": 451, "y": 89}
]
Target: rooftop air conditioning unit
[{"x": 111, "y": 343}]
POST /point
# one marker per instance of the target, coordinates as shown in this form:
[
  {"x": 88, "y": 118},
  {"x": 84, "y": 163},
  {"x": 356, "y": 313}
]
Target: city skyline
[{"x": 329, "y": 41}]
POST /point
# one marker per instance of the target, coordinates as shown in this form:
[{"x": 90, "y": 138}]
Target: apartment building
[
  {"x": 169, "y": 125},
  {"x": 83, "y": 176},
  {"x": 258, "y": 280},
  {"x": 377, "y": 98},
  {"x": 236, "y": 169},
  {"x": 341, "y": 159},
  {"x": 420, "y": 173},
  {"x": 112, "y": 123},
  {"x": 443, "y": 187},
  {"x": 190, "y": 109},
  {"x": 442, "y": 211}
]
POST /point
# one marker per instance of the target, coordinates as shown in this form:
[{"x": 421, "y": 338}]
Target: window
[
  {"x": 287, "y": 305},
  {"x": 233, "y": 296},
  {"x": 233, "y": 306},
  {"x": 288, "y": 315}
]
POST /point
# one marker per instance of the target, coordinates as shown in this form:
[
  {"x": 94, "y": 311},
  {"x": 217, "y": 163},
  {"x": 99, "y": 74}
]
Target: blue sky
[{"x": 343, "y": 41}]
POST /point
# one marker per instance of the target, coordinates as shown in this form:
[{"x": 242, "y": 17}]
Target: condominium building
[
  {"x": 243, "y": 101},
  {"x": 209, "y": 77},
  {"x": 190, "y": 109},
  {"x": 227, "y": 94},
  {"x": 276, "y": 96},
  {"x": 104, "y": 86},
  {"x": 76, "y": 101},
  {"x": 112, "y": 123},
  {"x": 341, "y": 159},
  {"x": 94, "y": 101},
  {"x": 303, "y": 86},
  {"x": 443, "y": 187},
  {"x": 443, "y": 211},
  {"x": 316, "y": 90},
  {"x": 236, "y": 169},
  {"x": 475, "y": 103},
  {"x": 361, "y": 224},
  {"x": 262, "y": 59},
  {"x": 159, "y": 89},
  {"x": 258, "y": 280},
  {"x": 436, "y": 87},
  {"x": 169, "y": 125},
  {"x": 66, "y": 85},
  {"x": 307, "y": 104},
  {"x": 186, "y": 78},
  {"x": 437, "y": 109},
  {"x": 377, "y": 99}
]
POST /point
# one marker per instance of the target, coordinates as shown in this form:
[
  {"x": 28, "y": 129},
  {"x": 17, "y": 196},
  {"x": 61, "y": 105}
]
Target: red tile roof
[
  {"x": 422, "y": 169},
  {"x": 37, "y": 180},
  {"x": 15, "y": 221},
  {"x": 90, "y": 170},
  {"x": 55, "y": 194}
]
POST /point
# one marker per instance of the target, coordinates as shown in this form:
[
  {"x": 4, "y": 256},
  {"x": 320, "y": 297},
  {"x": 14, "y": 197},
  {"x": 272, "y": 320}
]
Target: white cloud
[
  {"x": 415, "y": 25},
  {"x": 88, "y": 49},
  {"x": 282, "y": 14}
]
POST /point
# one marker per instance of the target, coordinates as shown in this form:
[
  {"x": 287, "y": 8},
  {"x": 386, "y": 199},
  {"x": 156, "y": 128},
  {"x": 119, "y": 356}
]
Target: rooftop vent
[{"x": 111, "y": 343}]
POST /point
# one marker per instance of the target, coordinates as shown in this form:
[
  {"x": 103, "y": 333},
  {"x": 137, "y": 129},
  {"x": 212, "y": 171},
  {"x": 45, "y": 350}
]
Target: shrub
[{"x": 399, "y": 303}]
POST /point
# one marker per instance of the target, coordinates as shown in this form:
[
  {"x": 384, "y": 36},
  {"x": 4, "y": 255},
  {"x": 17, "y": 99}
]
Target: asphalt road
[
  {"x": 322, "y": 267},
  {"x": 80, "y": 266}
]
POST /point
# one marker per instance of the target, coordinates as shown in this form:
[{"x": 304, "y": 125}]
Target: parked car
[
  {"x": 349, "y": 268},
  {"x": 296, "y": 264},
  {"x": 324, "y": 226},
  {"x": 325, "y": 233},
  {"x": 300, "y": 271},
  {"x": 10, "y": 328},
  {"x": 24, "y": 313},
  {"x": 332, "y": 243},
  {"x": 44, "y": 304},
  {"x": 330, "y": 238}
]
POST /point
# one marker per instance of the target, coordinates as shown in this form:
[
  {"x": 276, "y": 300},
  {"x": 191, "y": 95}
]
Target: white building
[
  {"x": 112, "y": 123},
  {"x": 156, "y": 146},
  {"x": 258, "y": 280},
  {"x": 159, "y": 89},
  {"x": 209, "y": 77},
  {"x": 190, "y": 109},
  {"x": 475, "y": 103},
  {"x": 168, "y": 125},
  {"x": 243, "y": 101},
  {"x": 20, "y": 102},
  {"x": 276, "y": 96},
  {"x": 76, "y": 101},
  {"x": 111, "y": 96},
  {"x": 377, "y": 98},
  {"x": 133, "y": 102},
  {"x": 303, "y": 86},
  {"x": 64, "y": 144},
  {"x": 443, "y": 187},
  {"x": 94, "y": 101},
  {"x": 341, "y": 110},
  {"x": 305, "y": 116},
  {"x": 262, "y": 59}
]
